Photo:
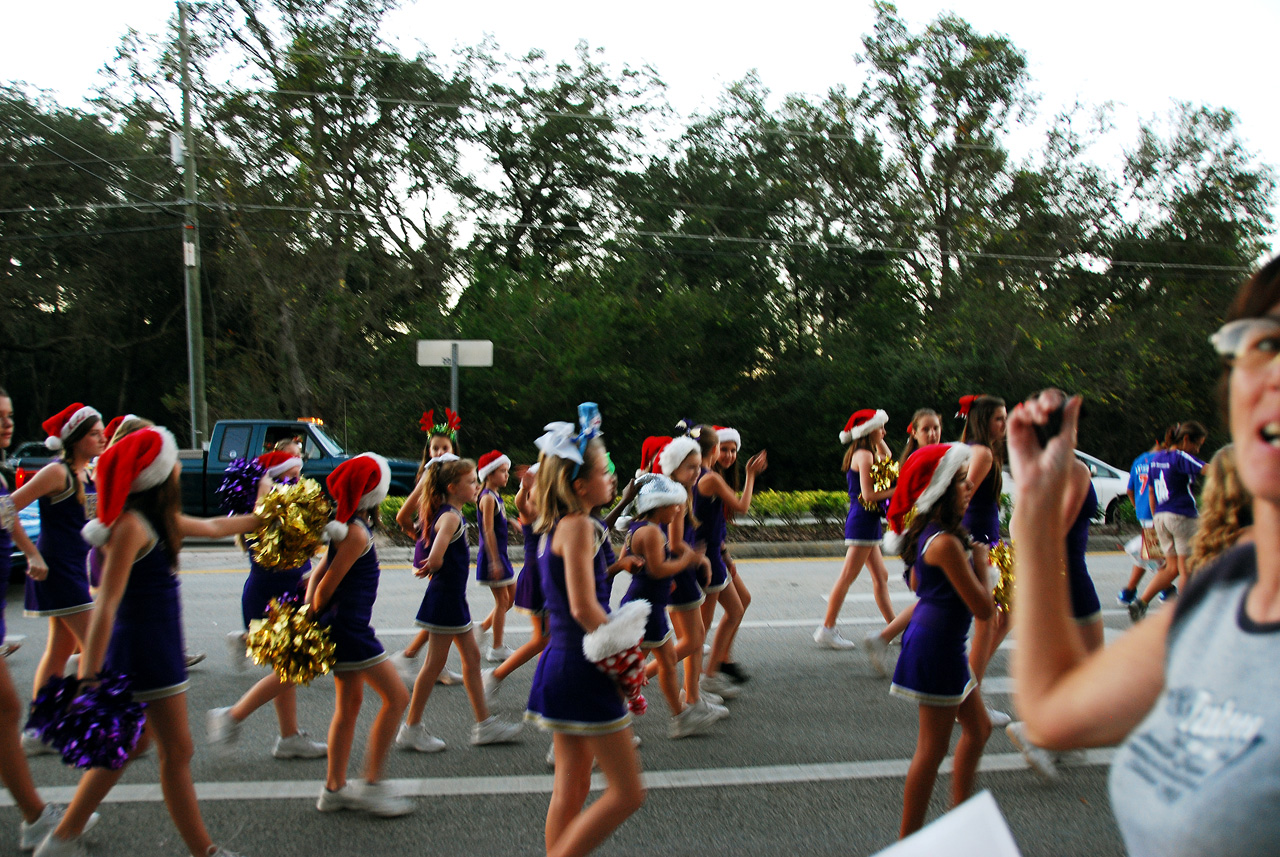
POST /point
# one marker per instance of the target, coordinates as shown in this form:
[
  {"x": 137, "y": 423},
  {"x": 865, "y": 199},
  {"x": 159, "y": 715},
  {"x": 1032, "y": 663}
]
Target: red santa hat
[
  {"x": 59, "y": 426},
  {"x": 675, "y": 452},
  {"x": 862, "y": 423},
  {"x": 728, "y": 435},
  {"x": 355, "y": 485},
  {"x": 649, "y": 451},
  {"x": 278, "y": 462},
  {"x": 490, "y": 462},
  {"x": 141, "y": 460},
  {"x": 922, "y": 482},
  {"x": 110, "y": 430},
  {"x": 966, "y": 402}
]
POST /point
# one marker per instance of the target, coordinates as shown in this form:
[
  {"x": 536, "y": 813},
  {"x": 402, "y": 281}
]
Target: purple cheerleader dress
[
  {"x": 264, "y": 584},
  {"x": 982, "y": 518},
  {"x": 1085, "y": 607},
  {"x": 861, "y": 527},
  {"x": 686, "y": 594},
  {"x": 66, "y": 589},
  {"x": 351, "y": 609},
  {"x": 444, "y": 605},
  {"x": 528, "y": 585},
  {"x": 933, "y": 668},
  {"x": 508, "y": 576},
  {"x": 713, "y": 530},
  {"x": 569, "y": 693},
  {"x": 656, "y": 590},
  {"x": 146, "y": 640}
]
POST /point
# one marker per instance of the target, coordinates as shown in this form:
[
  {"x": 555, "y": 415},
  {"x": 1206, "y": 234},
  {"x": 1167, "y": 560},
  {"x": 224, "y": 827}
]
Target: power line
[
  {"x": 63, "y": 163},
  {"x": 91, "y": 234}
]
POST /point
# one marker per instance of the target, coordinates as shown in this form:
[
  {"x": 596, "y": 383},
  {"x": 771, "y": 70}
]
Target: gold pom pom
[
  {"x": 1002, "y": 559},
  {"x": 884, "y": 473},
  {"x": 294, "y": 517},
  {"x": 290, "y": 642}
]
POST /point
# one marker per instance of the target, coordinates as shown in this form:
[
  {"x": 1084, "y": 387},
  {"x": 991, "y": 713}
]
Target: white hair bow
[
  {"x": 441, "y": 459},
  {"x": 560, "y": 441}
]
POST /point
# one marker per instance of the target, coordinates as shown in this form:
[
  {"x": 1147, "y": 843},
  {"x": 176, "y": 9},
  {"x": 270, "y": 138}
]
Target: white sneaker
[
  {"x": 693, "y": 720},
  {"x": 221, "y": 729},
  {"x": 193, "y": 658},
  {"x": 219, "y": 851},
  {"x": 551, "y": 756},
  {"x": 31, "y": 835},
  {"x": 299, "y": 746},
  {"x": 1038, "y": 759},
  {"x": 237, "y": 654},
  {"x": 407, "y": 667},
  {"x": 719, "y": 711},
  {"x": 373, "y": 798},
  {"x": 494, "y": 731},
  {"x": 448, "y": 676},
  {"x": 706, "y": 650},
  {"x": 877, "y": 652},
  {"x": 830, "y": 638},
  {"x": 498, "y": 654},
  {"x": 492, "y": 684},
  {"x": 416, "y": 737},
  {"x": 998, "y": 718},
  {"x": 33, "y": 746},
  {"x": 719, "y": 685},
  {"x": 52, "y": 846}
]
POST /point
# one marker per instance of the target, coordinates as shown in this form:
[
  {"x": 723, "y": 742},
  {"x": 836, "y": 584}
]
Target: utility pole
[{"x": 191, "y": 254}]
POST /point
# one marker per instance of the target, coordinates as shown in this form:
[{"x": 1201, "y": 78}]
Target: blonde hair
[
  {"x": 128, "y": 427},
  {"x": 1226, "y": 507},
  {"x": 435, "y": 485},
  {"x": 553, "y": 491}
]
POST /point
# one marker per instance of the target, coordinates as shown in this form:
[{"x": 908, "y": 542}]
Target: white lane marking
[{"x": 541, "y": 784}]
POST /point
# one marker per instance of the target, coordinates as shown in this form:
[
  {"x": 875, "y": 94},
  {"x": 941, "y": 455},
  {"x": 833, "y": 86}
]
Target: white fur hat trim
[
  {"x": 943, "y": 475},
  {"x": 877, "y": 421},
  {"x": 379, "y": 492},
  {"x": 675, "y": 452},
  {"x": 483, "y": 472},
  {"x": 53, "y": 444},
  {"x": 729, "y": 435}
]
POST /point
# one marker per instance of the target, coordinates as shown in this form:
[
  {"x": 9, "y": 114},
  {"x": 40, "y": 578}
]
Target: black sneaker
[
  {"x": 1171, "y": 591},
  {"x": 1137, "y": 610},
  {"x": 1126, "y": 597},
  {"x": 735, "y": 672}
]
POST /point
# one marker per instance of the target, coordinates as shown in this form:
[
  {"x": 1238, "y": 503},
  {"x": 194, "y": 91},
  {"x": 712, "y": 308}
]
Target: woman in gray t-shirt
[{"x": 1192, "y": 692}]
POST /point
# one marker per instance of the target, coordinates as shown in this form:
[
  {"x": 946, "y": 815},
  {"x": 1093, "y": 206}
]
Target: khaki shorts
[{"x": 1175, "y": 533}]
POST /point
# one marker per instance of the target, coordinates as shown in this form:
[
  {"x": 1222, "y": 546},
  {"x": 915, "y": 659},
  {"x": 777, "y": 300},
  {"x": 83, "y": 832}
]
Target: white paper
[{"x": 973, "y": 829}]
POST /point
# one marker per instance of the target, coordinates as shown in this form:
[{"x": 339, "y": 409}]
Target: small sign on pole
[{"x": 454, "y": 353}]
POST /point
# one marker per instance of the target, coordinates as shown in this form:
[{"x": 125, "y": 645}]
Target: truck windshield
[{"x": 331, "y": 446}]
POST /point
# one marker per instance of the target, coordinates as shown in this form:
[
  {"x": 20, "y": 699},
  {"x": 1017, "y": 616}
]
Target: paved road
[{"x": 812, "y": 760}]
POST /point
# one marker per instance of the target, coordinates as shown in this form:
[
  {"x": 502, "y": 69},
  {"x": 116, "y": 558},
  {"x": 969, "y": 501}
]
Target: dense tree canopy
[{"x": 773, "y": 264}]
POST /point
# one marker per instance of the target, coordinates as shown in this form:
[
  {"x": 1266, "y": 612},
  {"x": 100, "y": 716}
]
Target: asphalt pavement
[{"x": 811, "y": 760}]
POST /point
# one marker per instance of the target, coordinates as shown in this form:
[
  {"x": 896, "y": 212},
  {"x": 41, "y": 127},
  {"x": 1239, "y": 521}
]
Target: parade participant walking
[
  {"x": 448, "y": 484},
  {"x": 282, "y": 466},
  {"x": 730, "y": 443},
  {"x": 570, "y": 696},
  {"x": 925, "y": 429},
  {"x": 925, "y": 516},
  {"x": 1148, "y": 546},
  {"x": 345, "y": 585},
  {"x": 493, "y": 567},
  {"x": 64, "y": 491},
  {"x": 136, "y": 628},
  {"x": 863, "y": 434},
  {"x": 713, "y": 502}
]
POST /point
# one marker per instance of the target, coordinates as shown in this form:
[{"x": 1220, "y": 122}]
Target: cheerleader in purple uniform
[
  {"x": 657, "y": 504},
  {"x": 63, "y": 491},
  {"x": 864, "y": 435},
  {"x": 38, "y": 817},
  {"x": 570, "y": 696},
  {"x": 712, "y": 499},
  {"x": 442, "y": 439},
  {"x": 448, "y": 484},
  {"x": 283, "y": 466},
  {"x": 925, "y": 517},
  {"x": 528, "y": 591},
  {"x": 136, "y": 627},
  {"x": 493, "y": 567},
  {"x": 984, "y": 431},
  {"x": 344, "y": 586},
  {"x": 681, "y": 460}
]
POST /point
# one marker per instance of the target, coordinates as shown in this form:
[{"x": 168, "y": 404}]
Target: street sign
[
  {"x": 454, "y": 353},
  {"x": 439, "y": 352}
]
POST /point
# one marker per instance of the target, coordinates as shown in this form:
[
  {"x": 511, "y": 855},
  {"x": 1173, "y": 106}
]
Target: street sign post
[{"x": 454, "y": 353}]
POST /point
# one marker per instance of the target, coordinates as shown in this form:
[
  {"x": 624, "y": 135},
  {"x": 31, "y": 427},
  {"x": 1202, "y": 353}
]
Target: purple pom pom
[
  {"x": 238, "y": 493},
  {"x": 102, "y": 725},
  {"x": 49, "y": 705}
]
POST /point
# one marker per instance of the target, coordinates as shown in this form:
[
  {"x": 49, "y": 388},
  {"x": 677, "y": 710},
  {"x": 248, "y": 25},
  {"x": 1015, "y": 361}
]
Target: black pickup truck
[{"x": 202, "y": 470}]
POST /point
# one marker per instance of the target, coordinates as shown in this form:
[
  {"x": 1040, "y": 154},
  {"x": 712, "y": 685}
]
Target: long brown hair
[
  {"x": 912, "y": 444},
  {"x": 435, "y": 486},
  {"x": 946, "y": 514},
  {"x": 977, "y": 429},
  {"x": 160, "y": 506},
  {"x": 856, "y": 444}
]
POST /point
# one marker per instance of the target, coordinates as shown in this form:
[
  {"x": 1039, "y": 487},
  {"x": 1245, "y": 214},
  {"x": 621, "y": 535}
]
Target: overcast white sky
[{"x": 1139, "y": 55}]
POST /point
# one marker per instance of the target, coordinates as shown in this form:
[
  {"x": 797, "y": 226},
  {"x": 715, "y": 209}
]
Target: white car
[{"x": 1110, "y": 484}]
